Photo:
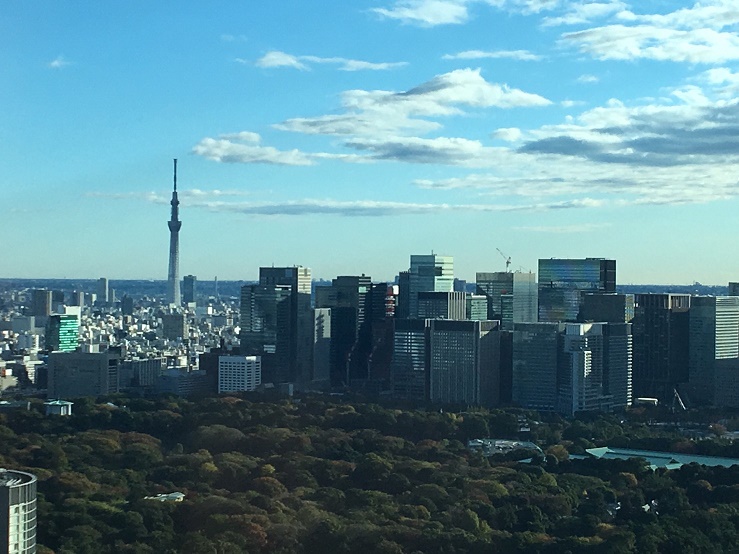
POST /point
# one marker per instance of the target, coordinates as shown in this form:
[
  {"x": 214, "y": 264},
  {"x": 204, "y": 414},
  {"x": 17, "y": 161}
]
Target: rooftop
[
  {"x": 12, "y": 478},
  {"x": 669, "y": 460}
]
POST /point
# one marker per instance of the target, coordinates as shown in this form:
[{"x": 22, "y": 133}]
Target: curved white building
[{"x": 18, "y": 512}]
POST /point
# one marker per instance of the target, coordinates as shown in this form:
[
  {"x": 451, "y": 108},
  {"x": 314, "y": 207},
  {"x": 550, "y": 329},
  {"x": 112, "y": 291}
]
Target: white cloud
[
  {"x": 427, "y": 12},
  {"x": 584, "y": 12},
  {"x": 378, "y": 208},
  {"x": 214, "y": 193},
  {"x": 720, "y": 76},
  {"x": 711, "y": 14},
  {"x": 526, "y": 7},
  {"x": 430, "y": 13},
  {"x": 522, "y": 55},
  {"x": 230, "y": 149},
  {"x": 281, "y": 59},
  {"x": 372, "y": 113},
  {"x": 243, "y": 136},
  {"x": 724, "y": 81},
  {"x": 683, "y": 150},
  {"x": 620, "y": 42},
  {"x": 466, "y": 87},
  {"x": 587, "y": 79},
  {"x": 354, "y": 65},
  {"x": 59, "y": 62},
  {"x": 276, "y": 58},
  {"x": 509, "y": 134}
]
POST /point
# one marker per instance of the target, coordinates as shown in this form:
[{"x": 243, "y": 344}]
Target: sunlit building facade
[{"x": 17, "y": 512}]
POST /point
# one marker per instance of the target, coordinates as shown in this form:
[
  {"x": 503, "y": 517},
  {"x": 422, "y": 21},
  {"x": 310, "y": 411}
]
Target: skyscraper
[
  {"x": 127, "y": 305},
  {"x": 442, "y": 305},
  {"x": 321, "y": 373},
  {"x": 41, "y": 303},
  {"x": 17, "y": 512},
  {"x": 713, "y": 345},
  {"x": 428, "y": 272},
  {"x": 103, "y": 290},
  {"x": 410, "y": 359},
  {"x": 189, "y": 290},
  {"x": 572, "y": 367},
  {"x": 277, "y": 323},
  {"x": 62, "y": 332},
  {"x": 174, "y": 223},
  {"x": 594, "y": 367},
  {"x": 464, "y": 362},
  {"x": 350, "y": 300},
  {"x": 660, "y": 328},
  {"x": 512, "y": 297},
  {"x": 607, "y": 307},
  {"x": 266, "y": 328},
  {"x": 562, "y": 282},
  {"x": 298, "y": 279},
  {"x": 535, "y": 358}
]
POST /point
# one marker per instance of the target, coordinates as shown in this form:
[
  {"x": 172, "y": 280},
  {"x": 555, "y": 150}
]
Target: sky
[{"x": 346, "y": 136}]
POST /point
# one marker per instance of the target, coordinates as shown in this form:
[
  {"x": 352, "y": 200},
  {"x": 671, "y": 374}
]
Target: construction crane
[{"x": 507, "y": 260}]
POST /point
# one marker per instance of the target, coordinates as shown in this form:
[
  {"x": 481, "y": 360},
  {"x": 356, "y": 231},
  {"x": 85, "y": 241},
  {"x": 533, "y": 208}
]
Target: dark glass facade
[
  {"x": 562, "y": 282},
  {"x": 62, "y": 333}
]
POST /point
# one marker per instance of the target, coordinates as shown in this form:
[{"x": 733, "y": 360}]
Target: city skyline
[{"x": 367, "y": 133}]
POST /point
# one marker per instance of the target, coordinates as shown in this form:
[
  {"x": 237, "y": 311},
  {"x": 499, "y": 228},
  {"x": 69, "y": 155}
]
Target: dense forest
[{"x": 319, "y": 475}]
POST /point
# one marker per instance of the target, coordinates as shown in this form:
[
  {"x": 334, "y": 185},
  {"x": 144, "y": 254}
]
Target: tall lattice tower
[{"x": 173, "y": 276}]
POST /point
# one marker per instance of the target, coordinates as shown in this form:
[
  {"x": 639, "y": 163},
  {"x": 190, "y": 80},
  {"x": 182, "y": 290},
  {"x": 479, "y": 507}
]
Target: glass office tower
[{"x": 562, "y": 282}]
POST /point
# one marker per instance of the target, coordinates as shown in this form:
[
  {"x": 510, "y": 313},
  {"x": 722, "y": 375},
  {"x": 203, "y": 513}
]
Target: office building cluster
[{"x": 567, "y": 342}]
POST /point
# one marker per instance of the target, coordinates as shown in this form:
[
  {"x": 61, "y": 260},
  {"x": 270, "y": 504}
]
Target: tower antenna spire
[{"x": 174, "y": 223}]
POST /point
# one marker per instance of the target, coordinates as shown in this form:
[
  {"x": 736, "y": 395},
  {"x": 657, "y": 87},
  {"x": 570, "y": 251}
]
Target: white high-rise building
[
  {"x": 713, "y": 349},
  {"x": 581, "y": 369},
  {"x": 17, "y": 512},
  {"x": 239, "y": 373}
]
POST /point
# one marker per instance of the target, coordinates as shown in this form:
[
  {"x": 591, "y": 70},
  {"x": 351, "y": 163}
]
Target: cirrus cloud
[
  {"x": 276, "y": 58},
  {"x": 522, "y": 55}
]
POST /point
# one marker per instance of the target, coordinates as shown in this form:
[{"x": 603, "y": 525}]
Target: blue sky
[{"x": 345, "y": 136}]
